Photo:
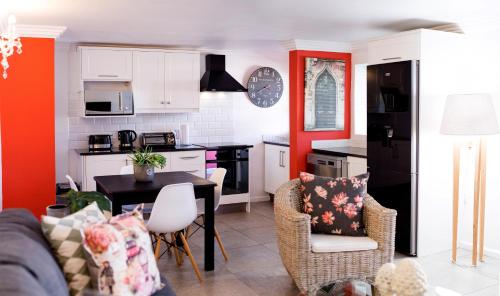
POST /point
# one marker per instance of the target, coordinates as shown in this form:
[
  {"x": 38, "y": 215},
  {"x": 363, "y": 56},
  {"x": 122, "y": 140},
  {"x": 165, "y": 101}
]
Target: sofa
[
  {"x": 317, "y": 260},
  {"x": 27, "y": 265}
]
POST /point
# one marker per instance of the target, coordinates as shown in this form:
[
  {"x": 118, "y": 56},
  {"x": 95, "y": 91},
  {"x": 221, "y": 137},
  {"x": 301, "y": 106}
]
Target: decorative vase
[
  {"x": 58, "y": 210},
  {"x": 144, "y": 173}
]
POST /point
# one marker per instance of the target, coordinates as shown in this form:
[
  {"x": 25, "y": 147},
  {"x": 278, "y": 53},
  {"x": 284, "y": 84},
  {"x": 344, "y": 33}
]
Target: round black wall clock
[{"x": 265, "y": 87}]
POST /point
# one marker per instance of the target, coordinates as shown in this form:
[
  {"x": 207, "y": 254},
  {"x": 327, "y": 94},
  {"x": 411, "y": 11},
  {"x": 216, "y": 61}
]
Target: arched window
[{"x": 326, "y": 101}]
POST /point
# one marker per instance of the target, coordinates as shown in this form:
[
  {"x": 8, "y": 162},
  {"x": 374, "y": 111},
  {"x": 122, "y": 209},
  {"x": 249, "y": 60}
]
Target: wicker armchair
[{"x": 310, "y": 270}]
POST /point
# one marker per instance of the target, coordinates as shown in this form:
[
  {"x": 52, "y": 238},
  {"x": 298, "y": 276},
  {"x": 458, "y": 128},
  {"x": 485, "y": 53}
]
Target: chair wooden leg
[
  {"x": 157, "y": 247},
  {"x": 176, "y": 251},
  {"x": 191, "y": 258},
  {"x": 169, "y": 247},
  {"x": 221, "y": 246}
]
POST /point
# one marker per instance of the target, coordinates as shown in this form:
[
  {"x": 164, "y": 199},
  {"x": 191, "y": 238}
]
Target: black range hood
[{"x": 216, "y": 78}]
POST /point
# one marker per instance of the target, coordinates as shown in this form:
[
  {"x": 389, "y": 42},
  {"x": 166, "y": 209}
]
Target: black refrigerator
[{"x": 392, "y": 144}]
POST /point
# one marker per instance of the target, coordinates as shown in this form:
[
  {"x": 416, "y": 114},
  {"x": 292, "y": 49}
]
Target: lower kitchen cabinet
[
  {"x": 104, "y": 165},
  {"x": 356, "y": 166},
  {"x": 277, "y": 167}
]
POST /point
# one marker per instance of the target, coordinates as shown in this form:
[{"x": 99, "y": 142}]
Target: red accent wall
[
  {"x": 27, "y": 127},
  {"x": 300, "y": 141}
]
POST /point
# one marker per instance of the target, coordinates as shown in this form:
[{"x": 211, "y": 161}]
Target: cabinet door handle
[
  {"x": 169, "y": 99},
  {"x": 195, "y": 171},
  {"x": 107, "y": 75},
  {"x": 126, "y": 162},
  {"x": 390, "y": 59},
  {"x": 189, "y": 157},
  {"x": 282, "y": 159},
  {"x": 120, "y": 103}
]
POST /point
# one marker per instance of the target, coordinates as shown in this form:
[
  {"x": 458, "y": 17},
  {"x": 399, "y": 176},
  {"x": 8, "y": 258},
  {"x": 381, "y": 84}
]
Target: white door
[
  {"x": 148, "y": 82},
  {"x": 106, "y": 64},
  {"x": 103, "y": 165},
  {"x": 182, "y": 88}
]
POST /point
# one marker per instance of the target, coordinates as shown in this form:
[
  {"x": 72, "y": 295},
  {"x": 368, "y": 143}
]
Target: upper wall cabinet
[
  {"x": 166, "y": 81},
  {"x": 399, "y": 47},
  {"x": 148, "y": 82},
  {"x": 106, "y": 64}
]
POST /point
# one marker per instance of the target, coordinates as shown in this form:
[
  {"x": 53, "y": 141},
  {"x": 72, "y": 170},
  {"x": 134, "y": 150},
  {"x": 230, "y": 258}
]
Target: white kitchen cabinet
[
  {"x": 277, "y": 167},
  {"x": 166, "y": 81},
  {"x": 182, "y": 85},
  {"x": 106, "y": 64},
  {"x": 400, "y": 47},
  {"x": 187, "y": 161},
  {"x": 101, "y": 165},
  {"x": 148, "y": 83},
  {"x": 104, "y": 165},
  {"x": 356, "y": 166}
]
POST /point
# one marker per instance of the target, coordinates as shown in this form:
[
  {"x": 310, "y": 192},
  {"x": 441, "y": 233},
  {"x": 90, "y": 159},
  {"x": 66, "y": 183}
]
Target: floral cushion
[
  {"x": 120, "y": 255},
  {"x": 335, "y": 204}
]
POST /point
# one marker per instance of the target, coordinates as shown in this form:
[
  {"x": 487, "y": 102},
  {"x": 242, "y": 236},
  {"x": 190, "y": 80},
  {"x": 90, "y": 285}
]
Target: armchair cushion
[
  {"x": 324, "y": 243},
  {"x": 335, "y": 204}
]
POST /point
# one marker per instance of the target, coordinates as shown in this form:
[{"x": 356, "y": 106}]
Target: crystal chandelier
[{"x": 9, "y": 41}]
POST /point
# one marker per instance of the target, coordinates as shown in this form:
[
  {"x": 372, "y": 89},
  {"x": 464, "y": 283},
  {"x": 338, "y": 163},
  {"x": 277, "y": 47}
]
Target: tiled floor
[{"x": 255, "y": 268}]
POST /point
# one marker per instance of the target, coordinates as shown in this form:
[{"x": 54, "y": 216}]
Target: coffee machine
[{"x": 127, "y": 138}]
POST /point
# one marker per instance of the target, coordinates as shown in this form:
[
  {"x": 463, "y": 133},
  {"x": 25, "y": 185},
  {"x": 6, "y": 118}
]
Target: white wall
[
  {"x": 223, "y": 117},
  {"x": 61, "y": 109},
  {"x": 481, "y": 75}
]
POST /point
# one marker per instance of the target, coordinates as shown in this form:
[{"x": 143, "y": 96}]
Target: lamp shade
[{"x": 468, "y": 115}]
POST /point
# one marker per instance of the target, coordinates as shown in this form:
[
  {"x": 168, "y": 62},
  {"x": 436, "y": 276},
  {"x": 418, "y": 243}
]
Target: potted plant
[
  {"x": 145, "y": 161},
  {"x": 77, "y": 200}
]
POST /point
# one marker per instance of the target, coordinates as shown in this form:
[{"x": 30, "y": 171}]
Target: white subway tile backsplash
[{"x": 213, "y": 123}]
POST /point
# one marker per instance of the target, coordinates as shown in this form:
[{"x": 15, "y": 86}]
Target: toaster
[
  {"x": 100, "y": 142},
  {"x": 158, "y": 140}
]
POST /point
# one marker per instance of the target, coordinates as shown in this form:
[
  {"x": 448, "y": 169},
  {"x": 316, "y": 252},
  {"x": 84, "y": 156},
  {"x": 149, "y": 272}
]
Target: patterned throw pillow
[
  {"x": 64, "y": 235},
  {"x": 121, "y": 258},
  {"x": 335, "y": 204}
]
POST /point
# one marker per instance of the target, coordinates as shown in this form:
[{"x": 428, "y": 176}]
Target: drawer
[{"x": 187, "y": 160}]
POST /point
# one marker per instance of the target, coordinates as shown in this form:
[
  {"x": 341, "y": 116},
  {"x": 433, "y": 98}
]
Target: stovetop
[{"x": 223, "y": 145}]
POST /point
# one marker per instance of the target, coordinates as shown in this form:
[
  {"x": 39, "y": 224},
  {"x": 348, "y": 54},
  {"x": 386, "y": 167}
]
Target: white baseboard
[
  {"x": 494, "y": 253},
  {"x": 260, "y": 198}
]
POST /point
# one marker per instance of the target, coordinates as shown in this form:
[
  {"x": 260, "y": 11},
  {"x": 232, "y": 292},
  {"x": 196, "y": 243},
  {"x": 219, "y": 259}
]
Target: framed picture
[{"x": 324, "y": 94}]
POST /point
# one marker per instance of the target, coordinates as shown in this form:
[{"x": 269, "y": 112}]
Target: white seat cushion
[{"x": 328, "y": 243}]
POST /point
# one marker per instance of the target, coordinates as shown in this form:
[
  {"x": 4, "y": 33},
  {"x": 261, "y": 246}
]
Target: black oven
[{"x": 235, "y": 161}]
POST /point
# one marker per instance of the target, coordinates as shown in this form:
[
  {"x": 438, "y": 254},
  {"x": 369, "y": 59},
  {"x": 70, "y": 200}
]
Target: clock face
[{"x": 265, "y": 87}]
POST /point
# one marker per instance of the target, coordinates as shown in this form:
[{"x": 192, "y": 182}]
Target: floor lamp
[{"x": 471, "y": 115}]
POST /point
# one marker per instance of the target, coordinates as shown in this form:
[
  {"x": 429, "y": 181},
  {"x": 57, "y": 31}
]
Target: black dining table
[{"x": 124, "y": 190}]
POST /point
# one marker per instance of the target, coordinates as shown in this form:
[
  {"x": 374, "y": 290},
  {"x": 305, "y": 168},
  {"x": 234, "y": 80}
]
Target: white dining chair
[
  {"x": 173, "y": 211},
  {"x": 217, "y": 176},
  {"x": 72, "y": 183},
  {"x": 129, "y": 170}
]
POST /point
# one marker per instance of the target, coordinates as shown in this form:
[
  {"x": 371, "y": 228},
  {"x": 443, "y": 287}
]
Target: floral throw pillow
[
  {"x": 121, "y": 259},
  {"x": 335, "y": 204}
]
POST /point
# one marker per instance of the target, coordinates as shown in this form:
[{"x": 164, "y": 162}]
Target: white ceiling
[{"x": 216, "y": 23}]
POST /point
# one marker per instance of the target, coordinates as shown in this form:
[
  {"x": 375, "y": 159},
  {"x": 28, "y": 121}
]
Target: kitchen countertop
[
  {"x": 278, "y": 143},
  {"x": 222, "y": 145},
  {"x": 342, "y": 151},
  {"x": 118, "y": 151}
]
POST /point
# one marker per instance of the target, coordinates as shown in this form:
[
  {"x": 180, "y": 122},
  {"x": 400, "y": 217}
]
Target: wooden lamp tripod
[{"x": 470, "y": 115}]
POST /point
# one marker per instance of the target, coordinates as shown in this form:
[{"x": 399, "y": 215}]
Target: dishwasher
[{"x": 327, "y": 165}]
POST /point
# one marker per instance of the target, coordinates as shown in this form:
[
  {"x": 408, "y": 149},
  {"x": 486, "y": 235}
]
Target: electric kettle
[{"x": 127, "y": 138}]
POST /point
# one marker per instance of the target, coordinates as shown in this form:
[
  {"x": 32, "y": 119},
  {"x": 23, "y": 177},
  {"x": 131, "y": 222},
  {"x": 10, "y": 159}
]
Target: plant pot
[
  {"x": 144, "y": 173},
  {"x": 58, "y": 210}
]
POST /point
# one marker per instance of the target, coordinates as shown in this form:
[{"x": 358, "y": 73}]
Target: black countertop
[
  {"x": 160, "y": 149},
  {"x": 222, "y": 145},
  {"x": 342, "y": 151}
]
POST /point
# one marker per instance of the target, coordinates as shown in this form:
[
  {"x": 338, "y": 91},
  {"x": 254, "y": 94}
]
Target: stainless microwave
[{"x": 108, "y": 102}]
